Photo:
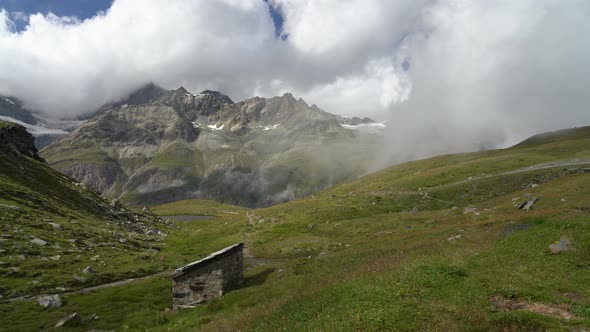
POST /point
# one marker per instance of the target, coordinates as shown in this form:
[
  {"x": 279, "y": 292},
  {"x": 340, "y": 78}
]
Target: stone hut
[{"x": 209, "y": 277}]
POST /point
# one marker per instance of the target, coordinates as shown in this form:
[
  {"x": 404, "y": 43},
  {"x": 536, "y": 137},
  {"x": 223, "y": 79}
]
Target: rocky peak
[
  {"x": 144, "y": 94},
  {"x": 218, "y": 95},
  {"x": 15, "y": 139},
  {"x": 181, "y": 90}
]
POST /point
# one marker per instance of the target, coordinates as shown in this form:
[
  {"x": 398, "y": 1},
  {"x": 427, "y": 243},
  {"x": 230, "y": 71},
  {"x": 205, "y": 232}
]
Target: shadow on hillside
[{"x": 257, "y": 279}]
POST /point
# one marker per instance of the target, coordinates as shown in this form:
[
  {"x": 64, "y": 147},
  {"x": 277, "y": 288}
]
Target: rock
[
  {"x": 55, "y": 258},
  {"x": 54, "y": 225},
  {"x": 414, "y": 210},
  {"x": 528, "y": 204},
  {"x": 454, "y": 238},
  {"x": 49, "y": 301},
  {"x": 88, "y": 270},
  {"x": 93, "y": 316},
  {"x": 310, "y": 226},
  {"x": 38, "y": 242},
  {"x": 145, "y": 209},
  {"x": 115, "y": 203},
  {"x": 470, "y": 209},
  {"x": 69, "y": 319},
  {"x": 564, "y": 244}
]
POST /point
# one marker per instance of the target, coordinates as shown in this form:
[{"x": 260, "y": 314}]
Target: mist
[{"x": 447, "y": 75}]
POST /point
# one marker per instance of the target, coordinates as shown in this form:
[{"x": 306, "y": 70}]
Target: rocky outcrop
[{"x": 15, "y": 139}]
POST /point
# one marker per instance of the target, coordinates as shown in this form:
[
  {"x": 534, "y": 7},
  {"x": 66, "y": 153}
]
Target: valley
[{"x": 431, "y": 244}]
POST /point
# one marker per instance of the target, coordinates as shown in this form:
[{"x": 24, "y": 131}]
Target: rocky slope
[
  {"x": 163, "y": 146},
  {"x": 51, "y": 223}
]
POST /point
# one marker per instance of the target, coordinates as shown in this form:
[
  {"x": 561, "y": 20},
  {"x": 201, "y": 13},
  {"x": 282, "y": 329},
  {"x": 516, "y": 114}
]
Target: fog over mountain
[{"x": 447, "y": 75}]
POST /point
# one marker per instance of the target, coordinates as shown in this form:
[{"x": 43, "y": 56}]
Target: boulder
[
  {"x": 454, "y": 238},
  {"x": 54, "y": 225},
  {"x": 88, "y": 270},
  {"x": 38, "y": 242},
  {"x": 49, "y": 301},
  {"x": 528, "y": 204},
  {"x": 115, "y": 203},
  {"x": 564, "y": 244},
  {"x": 69, "y": 319}
]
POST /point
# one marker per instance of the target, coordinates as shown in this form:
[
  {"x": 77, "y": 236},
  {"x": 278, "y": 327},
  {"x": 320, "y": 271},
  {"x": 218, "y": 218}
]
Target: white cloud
[
  {"x": 488, "y": 74},
  {"x": 481, "y": 73}
]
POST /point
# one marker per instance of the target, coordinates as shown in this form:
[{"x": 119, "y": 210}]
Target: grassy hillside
[
  {"x": 52, "y": 228},
  {"x": 434, "y": 244}
]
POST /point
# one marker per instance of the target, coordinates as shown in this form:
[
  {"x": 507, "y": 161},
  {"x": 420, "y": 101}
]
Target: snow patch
[
  {"x": 365, "y": 125},
  {"x": 271, "y": 127},
  {"x": 196, "y": 125},
  {"x": 373, "y": 128},
  {"x": 10, "y": 101},
  {"x": 124, "y": 105},
  {"x": 215, "y": 127}
]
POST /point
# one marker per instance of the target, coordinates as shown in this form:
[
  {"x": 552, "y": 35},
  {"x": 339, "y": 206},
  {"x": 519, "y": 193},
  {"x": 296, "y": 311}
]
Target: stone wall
[{"x": 211, "y": 280}]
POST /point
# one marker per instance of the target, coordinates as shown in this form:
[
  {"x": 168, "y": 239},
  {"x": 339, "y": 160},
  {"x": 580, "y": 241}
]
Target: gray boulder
[
  {"x": 68, "y": 319},
  {"x": 564, "y": 244},
  {"x": 88, "y": 270},
  {"x": 39, "y": 242},
  {"x": 528, "y": 204},
  {"x": 49, "y": 301}
]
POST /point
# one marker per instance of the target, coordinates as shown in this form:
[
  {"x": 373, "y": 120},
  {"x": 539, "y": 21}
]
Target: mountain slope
[
  {"x": 436, "y": 244},
  {"x": 179, "y": 145},
  {"x": 433, "y": 244},
  {"x": 51, "y": 226}
]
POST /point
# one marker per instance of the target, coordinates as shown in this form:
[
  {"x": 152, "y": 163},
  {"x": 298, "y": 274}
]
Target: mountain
[
  {"x": 160, "y": 146},
  {"x": 45, "y": 130},
  {"x": 52, "y": 226}
]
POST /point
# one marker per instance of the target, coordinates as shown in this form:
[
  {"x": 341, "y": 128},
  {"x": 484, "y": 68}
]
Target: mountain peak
[
  {"x": 288, "y": 96},
  {"x": 220, "y": 96},
  {"x": 181, "y": 90}
]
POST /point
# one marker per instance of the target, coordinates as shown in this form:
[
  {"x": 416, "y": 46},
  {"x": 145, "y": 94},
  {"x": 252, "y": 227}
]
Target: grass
[
  {"x": 422, "y": 245},
  {"x": 80, "y": 229}
]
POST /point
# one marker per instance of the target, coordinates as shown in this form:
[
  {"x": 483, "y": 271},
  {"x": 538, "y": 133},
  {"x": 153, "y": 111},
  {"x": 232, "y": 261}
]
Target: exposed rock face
[
  {"x": 15, "y": 139},
  {"x": 174, "y": 145}
]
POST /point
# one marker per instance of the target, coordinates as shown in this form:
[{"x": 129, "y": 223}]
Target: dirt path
[
  {"x": 565, "y": 163},
  {"x": 87, "y": 289},
  {"x": 253, "y": 262}
]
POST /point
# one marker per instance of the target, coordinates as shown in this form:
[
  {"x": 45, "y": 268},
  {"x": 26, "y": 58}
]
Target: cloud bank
[{"x": 448, "y": 75}]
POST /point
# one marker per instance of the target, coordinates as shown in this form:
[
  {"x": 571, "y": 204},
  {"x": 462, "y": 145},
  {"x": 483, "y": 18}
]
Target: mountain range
[{"x": 164, "y": 145}]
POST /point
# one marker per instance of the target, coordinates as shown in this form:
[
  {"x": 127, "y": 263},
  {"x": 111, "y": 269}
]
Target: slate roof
[{"x": 209, "y": 259}]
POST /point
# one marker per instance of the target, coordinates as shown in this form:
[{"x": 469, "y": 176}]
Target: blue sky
[{"x": 79, "y": 8}]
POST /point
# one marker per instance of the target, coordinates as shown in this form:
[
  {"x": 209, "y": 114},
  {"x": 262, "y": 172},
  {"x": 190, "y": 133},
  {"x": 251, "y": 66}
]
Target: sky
[{"x": 447, "y": 75}]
